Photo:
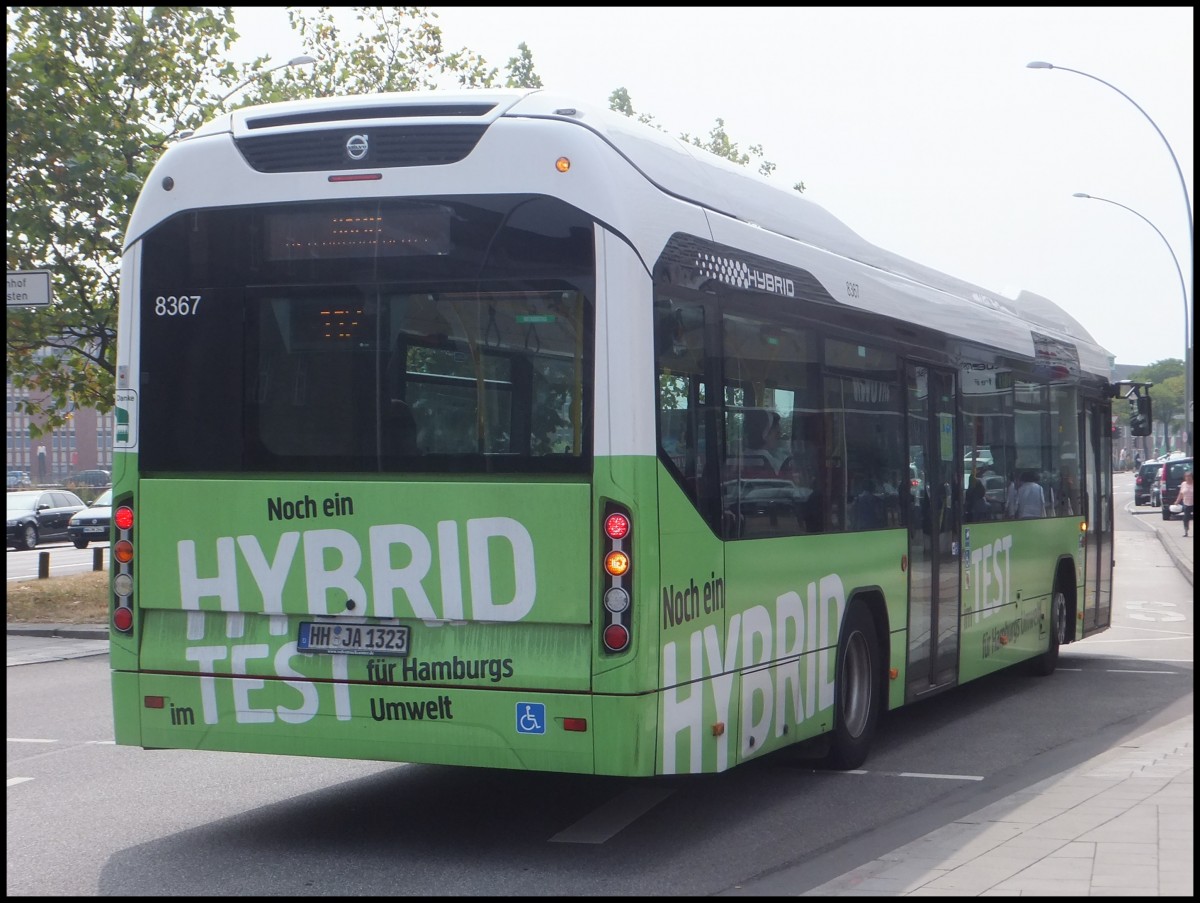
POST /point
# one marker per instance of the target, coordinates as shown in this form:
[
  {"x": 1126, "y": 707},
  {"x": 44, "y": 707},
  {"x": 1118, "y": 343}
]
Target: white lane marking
[
  {"x": 29, "y": 740},
  {"x": 13, "y": 782},
  {"x": 616, "y": 814},
  {"x": 913, "y": 774}
]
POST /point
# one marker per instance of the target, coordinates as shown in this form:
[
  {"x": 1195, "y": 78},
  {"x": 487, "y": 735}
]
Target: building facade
[{"x": 84, "y": 443}]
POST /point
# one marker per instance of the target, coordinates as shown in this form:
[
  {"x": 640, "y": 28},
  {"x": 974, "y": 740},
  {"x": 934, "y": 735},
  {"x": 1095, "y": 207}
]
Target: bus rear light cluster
[
  {"x": 618, "y": 586},
  {"x": 122, "y": 581}
]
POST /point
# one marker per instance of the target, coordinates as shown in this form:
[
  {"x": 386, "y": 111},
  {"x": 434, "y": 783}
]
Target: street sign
[{"x": 28, "y": 288}]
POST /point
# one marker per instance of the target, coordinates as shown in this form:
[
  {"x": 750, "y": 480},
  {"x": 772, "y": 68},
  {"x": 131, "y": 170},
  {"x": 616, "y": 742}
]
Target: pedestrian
[
  {"x": 1031, "y": 499},
  {"x": 763, "y": 438},
  {"x": 1186, "y": 498}
]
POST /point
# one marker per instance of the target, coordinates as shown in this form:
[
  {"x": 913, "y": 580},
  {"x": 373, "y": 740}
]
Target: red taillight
[
  {"x": 123, "y": 518},
  {"x": 574, "y": 724},
  {"x": 616, "y": 593},
  {"x": 122, "y": 576},
  {"x": 616, "y": 637},
  {"x": 616, "y": 526}
]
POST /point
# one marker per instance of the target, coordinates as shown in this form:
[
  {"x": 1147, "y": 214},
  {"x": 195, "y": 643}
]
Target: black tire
[
  {"x": 29, "y": 536},
  {"x": 858, "y": 691},
  {"x": 1166, "y": 512},
  {"x": 1044, "y": 664},
  {"x": 80, "y": 543}
]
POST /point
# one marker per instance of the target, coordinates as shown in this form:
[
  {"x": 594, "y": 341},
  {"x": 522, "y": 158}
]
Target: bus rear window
[{"x": 369, "y": 363}]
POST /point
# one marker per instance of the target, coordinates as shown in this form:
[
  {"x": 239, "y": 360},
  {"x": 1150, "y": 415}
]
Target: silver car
[{"x": 92, "y": 523}]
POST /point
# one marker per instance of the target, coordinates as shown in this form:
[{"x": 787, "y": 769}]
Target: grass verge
[{"x": 73, "y": 599}]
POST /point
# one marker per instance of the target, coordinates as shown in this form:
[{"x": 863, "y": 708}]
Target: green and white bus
[{"x": 488, "y": 429}]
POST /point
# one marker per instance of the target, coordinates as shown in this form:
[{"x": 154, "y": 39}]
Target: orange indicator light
[{"x": 616, "y": 563}]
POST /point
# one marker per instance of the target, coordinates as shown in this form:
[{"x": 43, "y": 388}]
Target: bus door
[
  {"x": 1096, "y": 595},
  {"x": 933, "y": 530}
]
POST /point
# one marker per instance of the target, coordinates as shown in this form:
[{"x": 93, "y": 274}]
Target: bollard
[
  {"x": 43, "y": 565},
  {"x": 98, "y": 559}
]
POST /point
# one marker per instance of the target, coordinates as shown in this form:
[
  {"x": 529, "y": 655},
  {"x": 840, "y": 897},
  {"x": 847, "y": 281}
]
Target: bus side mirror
[{"x": 1140, "y": 418}]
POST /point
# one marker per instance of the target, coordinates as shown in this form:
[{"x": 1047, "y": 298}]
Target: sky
[{"x": 920, "y": 128}]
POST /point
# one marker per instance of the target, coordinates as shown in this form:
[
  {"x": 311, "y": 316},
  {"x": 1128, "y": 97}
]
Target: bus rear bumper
[{"x": 442, "y": 725}]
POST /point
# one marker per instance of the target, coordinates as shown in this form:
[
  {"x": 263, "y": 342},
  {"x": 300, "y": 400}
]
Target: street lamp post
[
  {"x": 1187, "y": 200},
  {"x": 1178, "y": 269},
  {"x": 294, "y": 61}
]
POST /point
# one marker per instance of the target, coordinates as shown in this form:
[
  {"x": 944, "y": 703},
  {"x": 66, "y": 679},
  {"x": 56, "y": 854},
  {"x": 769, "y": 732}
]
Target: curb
[
  {"x": 63, "y": 631},
  {"x": 1182, "y": 564}
]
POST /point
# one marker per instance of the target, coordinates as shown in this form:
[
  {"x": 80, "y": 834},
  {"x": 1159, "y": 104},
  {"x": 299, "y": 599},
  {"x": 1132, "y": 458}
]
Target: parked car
[
  {"x": 35, "y": 515},
  {"x": 18, "y": 479},
  {"x": 92, "y": 523},
  {"x": 1169, "y": 478},
  {"x": 981, "y": 457},
  {"x": 1143, "y": 482},
  {"x": 93, "y": 478}
]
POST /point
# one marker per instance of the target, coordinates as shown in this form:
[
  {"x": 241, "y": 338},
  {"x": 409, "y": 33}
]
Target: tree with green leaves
[{"x": 94, "y": 95}]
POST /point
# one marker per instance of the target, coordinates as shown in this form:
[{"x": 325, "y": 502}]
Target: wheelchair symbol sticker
[{"x": 531, "y": 718}]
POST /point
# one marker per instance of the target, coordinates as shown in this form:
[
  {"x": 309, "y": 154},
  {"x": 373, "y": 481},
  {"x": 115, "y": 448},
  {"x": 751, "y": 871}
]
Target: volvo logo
[{"x": 356, "y": 147}]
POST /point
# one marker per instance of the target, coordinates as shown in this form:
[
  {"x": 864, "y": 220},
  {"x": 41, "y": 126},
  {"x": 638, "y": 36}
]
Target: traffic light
[{"x": 1140, "y": 420}]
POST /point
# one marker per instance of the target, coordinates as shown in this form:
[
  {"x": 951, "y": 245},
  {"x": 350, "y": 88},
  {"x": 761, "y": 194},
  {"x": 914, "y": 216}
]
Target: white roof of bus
[{"x": 690, "y": 173}]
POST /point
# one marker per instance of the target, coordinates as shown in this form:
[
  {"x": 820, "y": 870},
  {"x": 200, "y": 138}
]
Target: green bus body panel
[
  {"x": 224, "y": 660},
  {"x": 434, "y": 551},
  {"x": 127, "y": 707},
  {"x": 786, "y": 600},
  {"x": 733, "y": 646},
  {"x": 445, "y": 726},
  {"x": 1007, "y": 587},
  {"x": 749, "y": 650},
  {"x": 545, "y": 656}
]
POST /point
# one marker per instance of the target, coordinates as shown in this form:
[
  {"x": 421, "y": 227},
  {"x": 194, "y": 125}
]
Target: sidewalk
[{"x": 1178, "y": 546}]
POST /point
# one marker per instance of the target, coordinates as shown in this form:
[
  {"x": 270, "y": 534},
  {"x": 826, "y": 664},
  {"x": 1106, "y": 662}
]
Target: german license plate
[
  {"x": 353, "y": 639},
  {"x": 95, "y": 529}
]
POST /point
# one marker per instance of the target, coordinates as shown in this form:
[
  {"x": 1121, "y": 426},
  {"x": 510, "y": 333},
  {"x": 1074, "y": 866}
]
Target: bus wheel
[
  {"x": 1044, "y": 664},
  {"x": 858, "y": 693}
]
